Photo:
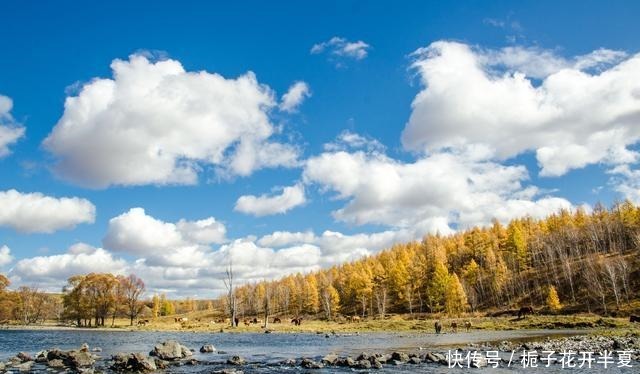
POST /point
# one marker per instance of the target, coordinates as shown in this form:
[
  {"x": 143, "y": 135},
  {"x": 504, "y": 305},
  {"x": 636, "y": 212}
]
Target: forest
[{"x": 569, "y": 262}]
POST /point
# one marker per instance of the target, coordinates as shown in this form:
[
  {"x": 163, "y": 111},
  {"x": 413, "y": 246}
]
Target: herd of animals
[{"x": 297, "y": 321}]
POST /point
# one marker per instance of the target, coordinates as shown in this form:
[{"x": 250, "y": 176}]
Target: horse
[
  {"x": 247, "y": 322},
  {"x": 524, "y": 311},
  {"x": 467, "y": 325},
  {"x": 454, "y": 326},
  {"x": 634, "y": 318},
  {"x": 277, "y": 320},
  {"x": 438, "y": 326},
  {"x": 354, "y": 319},
  {"x": 297, "y": 321}
]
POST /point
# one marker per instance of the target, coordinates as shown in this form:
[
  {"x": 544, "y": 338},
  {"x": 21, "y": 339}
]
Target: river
[{"x": 264, "y": 352}]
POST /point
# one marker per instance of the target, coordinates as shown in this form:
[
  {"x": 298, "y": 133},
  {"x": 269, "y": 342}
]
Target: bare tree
[{"x": 231, "y": 294}]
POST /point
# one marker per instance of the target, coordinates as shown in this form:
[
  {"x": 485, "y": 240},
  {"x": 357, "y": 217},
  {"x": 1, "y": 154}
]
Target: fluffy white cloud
[
  {"x": 52, "y": 271},
  {"x": 5, "y": 256},
  {"x": 35, "y": 212},
  {"x": 155, "y": 123},
  {"x": 10, "y": 131},
  {"x": 582, "y": 111},
  {"x": 436, "y": 193},
  {"x": 341, "y": 47},
  {"x": 294, "y": 97},
  {"x": 263, "y": 205},
  {"x": 176, "y": 244}
]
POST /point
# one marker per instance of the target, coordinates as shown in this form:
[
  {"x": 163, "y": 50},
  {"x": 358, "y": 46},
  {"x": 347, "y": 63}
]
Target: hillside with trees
[{"x": 567, "y": 262}]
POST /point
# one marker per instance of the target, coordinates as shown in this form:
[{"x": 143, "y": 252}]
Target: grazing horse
[
  {"x": 143, "y": 322},
  {"x": 634, "y": 318},
  {"x": 524, "y": 311},
  {"x": 297, "y": 321},
  {"x": 467, "y": 325},
  {"x": 454, "y": 326},
  {"x": 277, "y": 320},
  {"x": 247, "y": 322},
  {"x": 438, "y": 326}
]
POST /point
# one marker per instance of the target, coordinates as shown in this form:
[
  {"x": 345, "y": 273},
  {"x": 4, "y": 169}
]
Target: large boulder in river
[
  {"x": 24, "y": 357},
  {"x": 134, "y": 362},
  {"x": 72, "y": 359},
  {"x": 170, "y": 350}
]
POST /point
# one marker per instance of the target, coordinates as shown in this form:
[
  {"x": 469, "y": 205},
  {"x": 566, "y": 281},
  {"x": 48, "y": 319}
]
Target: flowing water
[{"x": 265, "y": 352}]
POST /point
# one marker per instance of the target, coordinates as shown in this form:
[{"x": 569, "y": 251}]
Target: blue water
[{"x": 265, "y": 351}]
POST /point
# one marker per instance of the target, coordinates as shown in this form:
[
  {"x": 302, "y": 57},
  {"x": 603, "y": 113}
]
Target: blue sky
[{"x": 510, "y": 108}]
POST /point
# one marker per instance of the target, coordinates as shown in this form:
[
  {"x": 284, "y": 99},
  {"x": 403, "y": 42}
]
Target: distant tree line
[
  {"x": 27, "y": 305},
  {"x": 589, "y": 261}
]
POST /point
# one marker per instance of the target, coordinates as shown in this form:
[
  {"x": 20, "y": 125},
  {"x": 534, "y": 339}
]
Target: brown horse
[
  {"x": 454, "y": 326},
  {"x": 467, "y": 325},
  {"x": 524, "y": 311},
  {"x": 438, "y": 326},
  {"x": 297, "y": 321},
  {"x": 634, "y": 318},
  {"x": 277, "y": 320}
]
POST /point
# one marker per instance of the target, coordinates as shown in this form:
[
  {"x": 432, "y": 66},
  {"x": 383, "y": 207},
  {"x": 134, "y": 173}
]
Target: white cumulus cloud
[
  {"x": 579, "y": 111},
  {"x": 436, "y": 193},
  {"x": 5, "y": 256},
  {"x": 264, "y": 205},
  {"x": 294, "y": 97},
  {"x": 10, "y": 131},
  {"x": 35, "y": 212},
  {"x": 137, "y": 233},
  {"x": 155, "y": 123},
  {"x": 52, "y": 271}
]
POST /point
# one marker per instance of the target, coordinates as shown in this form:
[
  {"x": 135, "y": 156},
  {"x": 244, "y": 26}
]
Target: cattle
[
  {"x": 524, "y": 311},
  {"x": 454, "y": 326},
  {"x": 297, "y": 321},
  {"x": 634, "y": 319},
  {"x": 438, "y": 326},
  {"x": 467, "y": 325},
  {"x": 277, "y": 320}
]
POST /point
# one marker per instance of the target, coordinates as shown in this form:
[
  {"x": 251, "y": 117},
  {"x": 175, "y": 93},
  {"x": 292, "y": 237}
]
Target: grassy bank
[{"x": 391, "y": 324}]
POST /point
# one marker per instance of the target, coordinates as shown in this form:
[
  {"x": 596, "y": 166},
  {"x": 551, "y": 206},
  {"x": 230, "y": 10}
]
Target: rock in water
[
  {"x": 310, "y": 364},
  {"x": 79, "y": 359},
  {"x": 207, "y": 348},
  {"x": 55, "y": 364},
  {"x": 135, "y": 362},
  {"x": 330, "y": 359},
  {"x": 84, "y": 347},
  {"x": 236, "y": 360},
  {"x": 170, "y": 350},
  {"x": 24, "y": 357},
  {"x": 400, "y": 356}
]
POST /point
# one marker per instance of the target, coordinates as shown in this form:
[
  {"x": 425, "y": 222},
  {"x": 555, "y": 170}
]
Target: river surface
[{"x": 264, "y": 352}]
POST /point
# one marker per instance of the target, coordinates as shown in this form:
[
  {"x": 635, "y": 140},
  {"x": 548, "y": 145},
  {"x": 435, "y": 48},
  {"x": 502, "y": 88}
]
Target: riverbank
[{"x": 391, "y": 324}]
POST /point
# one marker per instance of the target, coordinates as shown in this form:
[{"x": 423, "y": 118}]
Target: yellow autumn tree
[
  {"x": 553, "y": 301},
  {"x": 455, "y": 298}
]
